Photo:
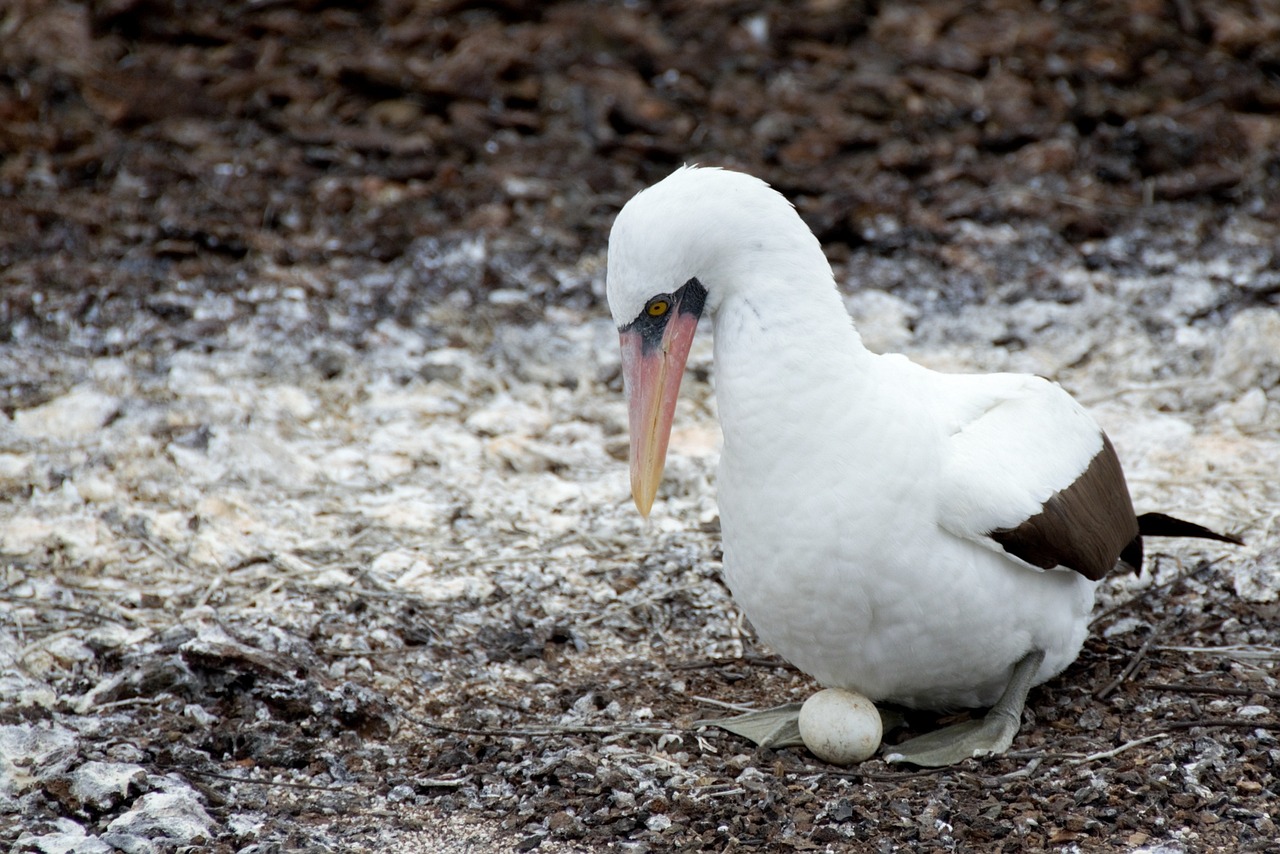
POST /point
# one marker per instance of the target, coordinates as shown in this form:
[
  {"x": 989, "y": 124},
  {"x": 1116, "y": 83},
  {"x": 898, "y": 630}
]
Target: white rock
[
  {"x": 521, "y": 453},
  {"x": 1251, "y": 412},
  {"x": 176, "y": 814},
  {"x": 840, "y": 727},
  {"x": 436, "y": 589},
  {"x": 290, "y": 401},
  {"x": 31, "y": 752},
  {"x": 333, "y": 577},
  {"x": 1257, "y": 579},
  {"x": 24, "y": 534},
  {"x": 75, "y": 415},
  {"x": 258, "y": 458},
  {"x": 394, "y": 564},
  {"x": 22, "y": 691},
  {"x": 506, "y": 416},
  {"x": 69, "y": 838},
  {"x": 69, "y": 650},
  {"x": 114, "y": 636},
  {"x": 384, "y": 467},
  {"x": 343, "y": 465},
  {"x": 94, "y": 488},
  {"x": 406, "y": 508},
  {"x": 102, "y": 785},
  {"x": 1250, "y": 354},
  {"x": 14, "y": 468}
]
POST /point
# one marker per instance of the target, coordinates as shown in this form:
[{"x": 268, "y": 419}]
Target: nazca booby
[{"x": 925, "y": 539}]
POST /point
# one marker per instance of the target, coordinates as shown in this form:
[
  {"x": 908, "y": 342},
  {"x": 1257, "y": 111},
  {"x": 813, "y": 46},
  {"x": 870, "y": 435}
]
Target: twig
[
  {"x": 1135, "y": 661},
  {"x": 1183, "y": 688},
  {"x": 876, "y": 777},
  {"x": 212, "y": 588},
  {"x": 44, "y": 605},
  {"x": 753, "y": 660},
  {"x": 133, "y": 701},
  {"x": 543, "y": 732},
  {"x": 1258, "y": 652},
  {"x": 1025, "y": 771},
  {"x": 1237, "y": 723},
  {"x": 721, "y": 704},
  {"x": 722, "y": 793},
  {"x": 1107, "y": 754}
]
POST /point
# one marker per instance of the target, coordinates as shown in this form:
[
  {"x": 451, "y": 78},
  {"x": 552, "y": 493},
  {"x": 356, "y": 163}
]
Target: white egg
[{"x": 840, "y": 727}]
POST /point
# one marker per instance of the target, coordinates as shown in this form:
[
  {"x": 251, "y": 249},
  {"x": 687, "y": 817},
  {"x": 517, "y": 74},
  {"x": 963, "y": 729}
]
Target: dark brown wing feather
[{"x": 1085, "y": 527}]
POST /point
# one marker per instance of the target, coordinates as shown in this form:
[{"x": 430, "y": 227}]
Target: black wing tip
[
  {"x": 1131, "y": 556},
  {"x": 1163, "y": 525}
]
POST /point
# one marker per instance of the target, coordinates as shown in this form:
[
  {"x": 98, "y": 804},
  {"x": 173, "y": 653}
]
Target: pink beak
[{"x": 651, "y": 374}]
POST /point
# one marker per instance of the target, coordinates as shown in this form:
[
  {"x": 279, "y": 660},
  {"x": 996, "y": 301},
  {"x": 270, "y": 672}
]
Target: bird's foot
[
  {"x": 776, "y": 727},
  {"x": 955, "y": 743},
  {"x": 992, "y": 734},
  {"x": 780, "y": 726}
]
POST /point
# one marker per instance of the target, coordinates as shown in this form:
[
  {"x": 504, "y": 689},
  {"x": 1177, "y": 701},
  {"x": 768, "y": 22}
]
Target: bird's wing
[{"x": 1029, "y": 473}]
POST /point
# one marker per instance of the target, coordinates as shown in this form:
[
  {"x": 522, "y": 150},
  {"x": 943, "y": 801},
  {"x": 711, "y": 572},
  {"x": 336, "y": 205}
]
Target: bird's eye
[{"x": 657, "y": 307}]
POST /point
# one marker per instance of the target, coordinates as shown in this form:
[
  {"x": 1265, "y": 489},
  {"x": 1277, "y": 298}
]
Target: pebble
[
  {"x": 1250, "y": 354},
  {"x": 33, "y": 753},
  {"x": 74, "y": 415},
  {"x": 100, "y": 786},
  {"x": 14, "y": 469},
  {"x": 69, "y": 838},
  {"x": 175, "y": 814}
]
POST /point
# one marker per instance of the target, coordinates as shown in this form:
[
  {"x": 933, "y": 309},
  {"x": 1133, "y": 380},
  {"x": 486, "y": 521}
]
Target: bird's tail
[{"x": 1160, "y": 525}]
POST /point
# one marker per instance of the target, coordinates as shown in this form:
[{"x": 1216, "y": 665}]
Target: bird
[{"x": 929, "y": 540}]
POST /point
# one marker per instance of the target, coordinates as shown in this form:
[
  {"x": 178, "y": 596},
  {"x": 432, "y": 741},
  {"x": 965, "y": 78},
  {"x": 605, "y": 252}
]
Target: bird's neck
[{"x": 787, "y": 361}]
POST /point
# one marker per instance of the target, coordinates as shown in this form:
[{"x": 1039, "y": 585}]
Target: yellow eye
[{"x": 657, "y": 307}]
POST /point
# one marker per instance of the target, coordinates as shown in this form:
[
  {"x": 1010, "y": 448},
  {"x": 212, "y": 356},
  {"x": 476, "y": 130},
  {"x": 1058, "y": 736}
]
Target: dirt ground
[{"x": 315, "y": 532}]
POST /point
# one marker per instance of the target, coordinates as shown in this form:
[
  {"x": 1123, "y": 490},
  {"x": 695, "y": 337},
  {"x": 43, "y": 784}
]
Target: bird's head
[{"x": 678, "y": 250}]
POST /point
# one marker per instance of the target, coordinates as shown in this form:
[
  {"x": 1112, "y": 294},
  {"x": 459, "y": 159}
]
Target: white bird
[{"x": 925, "y": 539}]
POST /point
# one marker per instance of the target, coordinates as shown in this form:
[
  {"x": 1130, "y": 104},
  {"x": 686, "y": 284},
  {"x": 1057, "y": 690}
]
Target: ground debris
[{"x": 314, "y": 531}]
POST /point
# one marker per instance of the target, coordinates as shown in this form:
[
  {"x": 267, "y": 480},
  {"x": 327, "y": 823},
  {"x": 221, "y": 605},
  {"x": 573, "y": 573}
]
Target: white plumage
[{"x": 858, "y": 492}]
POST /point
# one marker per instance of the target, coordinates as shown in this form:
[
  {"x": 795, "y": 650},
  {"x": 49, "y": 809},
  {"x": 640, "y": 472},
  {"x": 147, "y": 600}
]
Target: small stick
[
  {"x": 754, "y": 660},
  {"x": 1220, "y": 722},
  {"x": 538, "y": 733},
  {"x": 1026, "y": 771},
  {"x": 1107, "y": 754},
  {"x": 1133, "y": 662},
  {"x": 1183, "y": 688},
  {"x": 721, "y": 704},
  {"x": 1240, "y": 651}
]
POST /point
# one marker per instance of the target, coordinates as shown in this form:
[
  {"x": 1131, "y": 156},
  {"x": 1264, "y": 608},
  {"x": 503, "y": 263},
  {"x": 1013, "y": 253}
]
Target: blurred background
[
  {"x": 155, "y": 151},
  {"x": 315, "y": 531}
]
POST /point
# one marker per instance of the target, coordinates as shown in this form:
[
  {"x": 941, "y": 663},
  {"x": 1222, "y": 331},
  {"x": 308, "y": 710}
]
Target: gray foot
[
  {"x": 780, "y": 726},
  {"x": 992, "y": 734},
  {"x": 776, "y": 727}
]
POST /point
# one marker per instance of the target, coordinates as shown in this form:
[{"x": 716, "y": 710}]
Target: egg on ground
[{"x": 840, "y": 727}]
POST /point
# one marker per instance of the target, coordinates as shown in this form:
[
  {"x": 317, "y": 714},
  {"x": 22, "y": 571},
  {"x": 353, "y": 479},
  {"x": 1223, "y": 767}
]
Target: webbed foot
[
  {"x": 992, "y": 734},
  {"x": 776, "y": 727}
]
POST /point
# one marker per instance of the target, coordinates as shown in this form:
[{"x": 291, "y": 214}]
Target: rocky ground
[{"x": 315, "y": 531}]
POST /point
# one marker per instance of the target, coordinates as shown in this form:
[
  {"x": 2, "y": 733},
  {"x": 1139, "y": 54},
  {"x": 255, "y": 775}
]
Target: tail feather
[{"x": 1160, "y": 525}]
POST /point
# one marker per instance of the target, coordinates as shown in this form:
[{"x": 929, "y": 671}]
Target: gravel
[{"x": 316, "y": 532}]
